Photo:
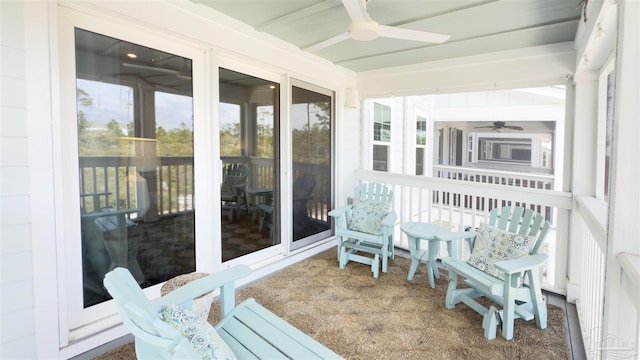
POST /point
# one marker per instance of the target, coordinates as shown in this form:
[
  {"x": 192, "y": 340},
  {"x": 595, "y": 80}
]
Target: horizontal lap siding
[{"x": 17, "y": 332}]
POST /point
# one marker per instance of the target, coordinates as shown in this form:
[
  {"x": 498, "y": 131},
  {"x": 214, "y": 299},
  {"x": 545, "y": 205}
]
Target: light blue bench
[{"x": 250, "y": 330}]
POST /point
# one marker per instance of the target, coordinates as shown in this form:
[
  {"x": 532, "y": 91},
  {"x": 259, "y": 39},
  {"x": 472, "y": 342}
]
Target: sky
[{"x": 115, "y": 102}]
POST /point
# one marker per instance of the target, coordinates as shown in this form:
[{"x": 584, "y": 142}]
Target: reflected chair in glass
[
  {"x": 232, "y": 191},
  {"x": 302, "y": 192}
]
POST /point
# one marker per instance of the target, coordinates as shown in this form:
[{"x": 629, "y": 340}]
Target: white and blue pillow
[
  {"x": 367, "y": 216},
  {"x": 493, "y": 245},
  {"x": 202, "y": 336}
]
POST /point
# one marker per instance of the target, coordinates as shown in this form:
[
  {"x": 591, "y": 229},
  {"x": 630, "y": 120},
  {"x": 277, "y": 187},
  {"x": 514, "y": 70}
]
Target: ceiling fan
[
  {"x": 497, "y": 125},
  {"x": 182, "y": 73},
  {"x": 363, "y": 28}
]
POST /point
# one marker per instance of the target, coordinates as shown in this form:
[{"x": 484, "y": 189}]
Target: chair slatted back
[
  {"x": 521, "y": 221},
  {"x": 233, "y": 175},
  {"x": 154, "y": 338},
  {"x": 303, "y": 186},
  {"x": 374, "y": 191},
  {"x": 132, "y": 302}
]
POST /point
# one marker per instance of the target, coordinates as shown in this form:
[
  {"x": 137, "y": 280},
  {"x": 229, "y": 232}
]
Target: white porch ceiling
[{"x": 476, "y": 27}]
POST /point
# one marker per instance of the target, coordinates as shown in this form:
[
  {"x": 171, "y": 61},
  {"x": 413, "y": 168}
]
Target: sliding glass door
[
  {"x": 135, "y": 147},
  {"x": 312, "y": 171},
  {"x": 249, "y": 118}
]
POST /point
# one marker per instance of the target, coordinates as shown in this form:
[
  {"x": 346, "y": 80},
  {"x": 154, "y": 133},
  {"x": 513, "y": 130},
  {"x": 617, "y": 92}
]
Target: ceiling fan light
[{"x": 364, "y": 30}]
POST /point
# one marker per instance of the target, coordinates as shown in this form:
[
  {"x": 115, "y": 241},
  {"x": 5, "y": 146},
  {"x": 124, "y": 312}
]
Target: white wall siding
[{"x": 17, "y": 332}]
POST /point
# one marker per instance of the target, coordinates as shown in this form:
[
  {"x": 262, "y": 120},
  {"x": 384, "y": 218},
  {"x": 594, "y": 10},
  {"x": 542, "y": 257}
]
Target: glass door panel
[
  {"x": 135, "y": 145},
  {"x": 249, "y": 117},
  {"x": 311, "y": 121}
]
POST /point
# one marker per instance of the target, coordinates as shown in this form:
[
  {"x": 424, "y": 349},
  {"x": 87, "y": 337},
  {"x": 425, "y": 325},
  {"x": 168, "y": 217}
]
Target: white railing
[
  {"x": 460, "y": 205},
  {"x": 610, "y": 324},
  {"x": 261, "y": 175},
  {"x": 500, "y": 177},
  {"x": 110, "y": 181},
  {"x": 590, "y": 232},
  {"x": 629, "y": 305}
]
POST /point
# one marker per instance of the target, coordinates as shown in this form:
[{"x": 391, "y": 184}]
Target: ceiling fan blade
[
  {"x": 326, "y": 43},
  {"x": 410, "y": 34},
  {"x": 513, "y": 127},
  {"x": 357, "y": 10}
]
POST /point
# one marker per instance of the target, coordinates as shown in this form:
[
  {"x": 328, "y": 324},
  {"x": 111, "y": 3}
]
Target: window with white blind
[{"x": 421, "y": 142}]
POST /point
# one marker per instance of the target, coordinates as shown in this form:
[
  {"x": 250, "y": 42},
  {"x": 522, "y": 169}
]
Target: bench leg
[
  {"x": 385, "y": 257},
  {"x": 343, "y": 257},
  {"x": 375, "y": 266},
  {"x": 538, "y": 303},
  {"x": 490, "y": 323},
  {"x": 509, "y": 306},
  {"x": 451, "y": 301}
]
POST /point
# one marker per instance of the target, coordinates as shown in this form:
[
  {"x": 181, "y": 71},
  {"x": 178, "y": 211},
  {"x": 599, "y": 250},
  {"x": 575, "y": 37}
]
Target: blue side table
[{"x": 417, "y": 231}]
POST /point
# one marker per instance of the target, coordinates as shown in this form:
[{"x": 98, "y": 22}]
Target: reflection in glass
[
  {"x": 248, "y": 123},
  {"x": 135, "y": 144},
  {"x": 311, "y": 145}
]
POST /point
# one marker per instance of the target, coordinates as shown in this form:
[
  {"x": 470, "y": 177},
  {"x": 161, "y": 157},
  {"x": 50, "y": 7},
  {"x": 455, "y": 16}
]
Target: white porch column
[
  {"x": 621, "y": 317},
  {"x": 583, "y": 170}
]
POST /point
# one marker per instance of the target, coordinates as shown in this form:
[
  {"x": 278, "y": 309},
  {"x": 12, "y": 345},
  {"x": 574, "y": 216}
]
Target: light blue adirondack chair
[
  {"x": 246, "y": 331},
  {"x": 366, "y": 226},
  {"x": 516, "y": 288}
]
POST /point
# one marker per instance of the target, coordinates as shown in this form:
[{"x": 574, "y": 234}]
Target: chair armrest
[
  {"x": 222, "y": 279},
  {"x": 338, "y": 212},
  {"x": 519, "y": 265},
  {"x": 390, "y": 219}
]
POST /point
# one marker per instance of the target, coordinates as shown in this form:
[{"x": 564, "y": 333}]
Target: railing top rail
[
  {"x": 630, "y": 264},
  {"x": 558, "y": 199},
  {"x": 503, "y": 173},
  {"x": 594, "y": 214}
]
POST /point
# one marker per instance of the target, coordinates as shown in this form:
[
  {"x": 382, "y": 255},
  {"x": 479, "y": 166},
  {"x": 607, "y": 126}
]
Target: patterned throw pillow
[
  {"x": 494, "y": 245},
  {"x": 198, "y": 331},
  {"x": 367, "y": 216}
]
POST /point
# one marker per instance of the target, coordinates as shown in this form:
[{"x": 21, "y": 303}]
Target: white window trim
[{"x": 387, "y": 144}]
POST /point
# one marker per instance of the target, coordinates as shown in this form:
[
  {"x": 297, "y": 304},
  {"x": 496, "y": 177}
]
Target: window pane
[
  {"x": 229, "y": 129},
  {"x": 420, "y": 161},
  {"x": 506, "y": 150},
  {"x": 249, "y": 196},
  {"x": 421, "y": 130},
  {"x": 135, "y": 142},
  {"x": 380, "y": 158},
  {"x": 381, "y": 122}
]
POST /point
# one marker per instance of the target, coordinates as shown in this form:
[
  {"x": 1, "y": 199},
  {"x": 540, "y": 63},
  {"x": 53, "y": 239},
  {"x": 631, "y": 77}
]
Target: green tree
[
  {"x": 83, "y": 100},
  {"x": 115, "y": 128},
  {"x": 312, "y": 143},
  {"x": 230, "y": 140}
]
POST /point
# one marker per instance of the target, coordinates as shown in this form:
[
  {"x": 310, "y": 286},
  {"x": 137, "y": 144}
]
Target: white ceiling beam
[{"x": 296, "y": 15}]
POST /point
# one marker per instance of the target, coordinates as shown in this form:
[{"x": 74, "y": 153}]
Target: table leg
[
  {"x": 434, "y": 248},
  {"x": 415, "y": 261}
]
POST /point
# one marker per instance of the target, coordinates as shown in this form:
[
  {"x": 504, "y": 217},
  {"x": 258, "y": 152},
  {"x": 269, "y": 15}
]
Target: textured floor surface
[{"x": 360, "y": 317}]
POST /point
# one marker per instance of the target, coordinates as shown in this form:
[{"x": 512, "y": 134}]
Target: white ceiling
[{"x": 476, "y": 26}]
